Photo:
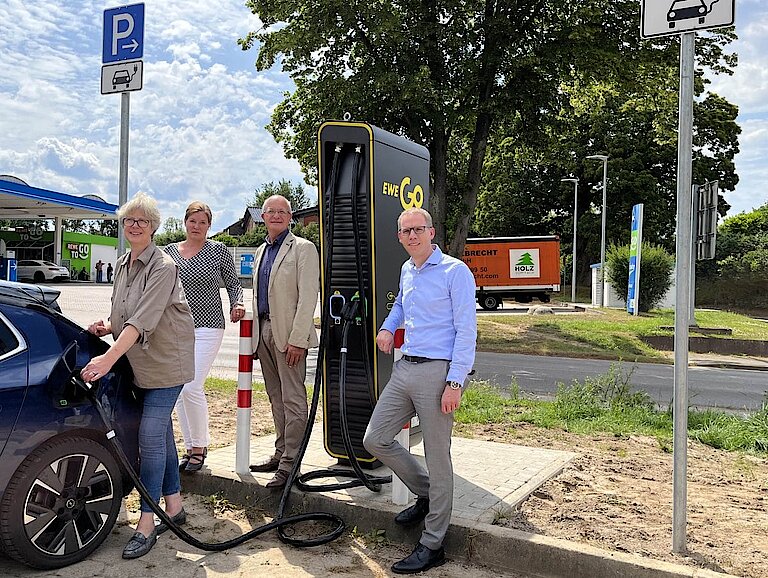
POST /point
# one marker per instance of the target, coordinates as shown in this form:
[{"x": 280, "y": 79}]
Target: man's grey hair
[{"x": 276, "y": 198}]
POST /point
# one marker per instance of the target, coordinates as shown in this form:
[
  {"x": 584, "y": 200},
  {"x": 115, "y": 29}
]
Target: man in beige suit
[{"x": 286, "y": 281}]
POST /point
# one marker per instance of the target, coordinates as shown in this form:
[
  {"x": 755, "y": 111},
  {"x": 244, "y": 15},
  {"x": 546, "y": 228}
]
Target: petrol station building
[{"x": 19, "y": 201}]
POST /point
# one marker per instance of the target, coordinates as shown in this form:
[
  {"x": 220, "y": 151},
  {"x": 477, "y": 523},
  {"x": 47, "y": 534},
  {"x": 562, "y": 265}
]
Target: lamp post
[
  {"x": 603, "y": 158},
  {"x": 575, "y": 213}
]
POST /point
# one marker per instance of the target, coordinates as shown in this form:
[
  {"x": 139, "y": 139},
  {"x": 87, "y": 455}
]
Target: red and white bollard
[
  {"x": 401, "y": 495},
  {"x": 244, "y": 394}
]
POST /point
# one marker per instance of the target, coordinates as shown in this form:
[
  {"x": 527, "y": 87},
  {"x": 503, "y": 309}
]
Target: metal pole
[
  {"x": 602, "y": 242},
  {"x": 575, "y": 218},
  {"x": 682, "y": 292},
  {"x": 125, "y": 111}
]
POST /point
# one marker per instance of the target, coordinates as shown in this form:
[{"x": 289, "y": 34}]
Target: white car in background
[{"x": 40, "y": 271}]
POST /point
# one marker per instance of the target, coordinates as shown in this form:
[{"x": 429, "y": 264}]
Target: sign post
[
  {"x": 635, "y": 253},
  {"x": 123, "y": 45},
  {"x": 683, "y": 17}
]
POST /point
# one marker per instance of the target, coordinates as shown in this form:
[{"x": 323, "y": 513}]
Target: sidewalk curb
[
  {"x": 479, "y": 543},
  {"x": 729, "y": 365}
]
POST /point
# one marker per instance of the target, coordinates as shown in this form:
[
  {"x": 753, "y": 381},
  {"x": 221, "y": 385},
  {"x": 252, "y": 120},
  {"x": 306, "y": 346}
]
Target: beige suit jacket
[{"x": 294, "y": 283}]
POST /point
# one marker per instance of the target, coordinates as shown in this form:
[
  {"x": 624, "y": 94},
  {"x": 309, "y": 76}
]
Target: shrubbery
[{"x": 655, "y": 273}]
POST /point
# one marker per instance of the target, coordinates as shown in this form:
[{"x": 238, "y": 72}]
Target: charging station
[{"x": 366, "y": 178}]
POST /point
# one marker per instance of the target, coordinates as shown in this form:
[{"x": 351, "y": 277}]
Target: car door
[{"x": 14, "y": 363}]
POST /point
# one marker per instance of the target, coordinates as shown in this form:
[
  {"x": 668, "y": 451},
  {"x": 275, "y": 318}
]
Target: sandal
[
  {"x": 183, "y": 461},
  {"x": 196, "y": 461}
]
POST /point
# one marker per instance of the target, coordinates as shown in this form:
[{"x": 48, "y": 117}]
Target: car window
[
  {"x": 10, "y": 341},
  {"x": 49, "y": 264},
  {"x": 27, "y": 263}
]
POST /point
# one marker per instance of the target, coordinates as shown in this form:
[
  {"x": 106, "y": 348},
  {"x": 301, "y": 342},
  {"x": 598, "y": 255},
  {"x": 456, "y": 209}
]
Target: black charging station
[{"x": 366, "y": 178}]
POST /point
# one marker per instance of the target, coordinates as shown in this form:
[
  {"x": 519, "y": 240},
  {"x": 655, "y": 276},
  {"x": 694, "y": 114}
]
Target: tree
[
  {"x": 655, "y": 273},
  {"x": 173, "y": 232},
  {"x": 469, "y": 80},
  {"x": 295, "y": 194}
]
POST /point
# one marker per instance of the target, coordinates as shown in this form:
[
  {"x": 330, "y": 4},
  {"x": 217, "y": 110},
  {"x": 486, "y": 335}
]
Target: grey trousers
[
  {"x": 417, "y": 388},
  {"x": 287, "y": 396}
]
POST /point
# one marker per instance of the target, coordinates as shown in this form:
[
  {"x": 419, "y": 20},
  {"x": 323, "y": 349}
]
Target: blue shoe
[
  {"x": 139, "y": 545},
  {"x": 179, "y": 519}
]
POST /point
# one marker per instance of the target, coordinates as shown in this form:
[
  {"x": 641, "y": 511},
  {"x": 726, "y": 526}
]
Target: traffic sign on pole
[
  {"x": 123, "y": 33},
  {"x": 669, "y": 17},
  {"x": 122, "y": 77}
]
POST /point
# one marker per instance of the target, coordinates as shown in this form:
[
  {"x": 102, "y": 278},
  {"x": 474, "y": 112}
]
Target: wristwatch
[{"x": 454, "y": 384}]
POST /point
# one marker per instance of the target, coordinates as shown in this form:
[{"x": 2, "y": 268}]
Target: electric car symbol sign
[{"x": 667, "y": 17}]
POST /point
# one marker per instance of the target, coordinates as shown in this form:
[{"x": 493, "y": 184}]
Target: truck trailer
[{"x": 520, "y": 268}]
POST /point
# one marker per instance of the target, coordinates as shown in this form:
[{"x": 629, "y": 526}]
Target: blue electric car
[{"x": 60, "y": 484}]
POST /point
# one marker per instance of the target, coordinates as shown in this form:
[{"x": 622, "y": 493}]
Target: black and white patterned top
[{"x": 202, "y": 276}]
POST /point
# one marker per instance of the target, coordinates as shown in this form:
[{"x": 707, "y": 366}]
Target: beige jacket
[{"x": 294, "y": 283}]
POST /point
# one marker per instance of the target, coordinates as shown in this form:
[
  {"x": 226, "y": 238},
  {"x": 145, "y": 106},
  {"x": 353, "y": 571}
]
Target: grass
[
  {"x": 606, "y": 404},
  {"x": 602, "y": 334}
]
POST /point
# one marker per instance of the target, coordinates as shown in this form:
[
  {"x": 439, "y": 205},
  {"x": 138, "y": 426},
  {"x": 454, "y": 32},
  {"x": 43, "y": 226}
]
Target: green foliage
[
  {"x": 164, "y": 239},
  {"x": 228, "y": 240},
  {"x": 655, "y": 273},
  {"x": 311, "y": 232},
  {"x": 295, "y": 194},
  {"x": 254, "y": 237}
]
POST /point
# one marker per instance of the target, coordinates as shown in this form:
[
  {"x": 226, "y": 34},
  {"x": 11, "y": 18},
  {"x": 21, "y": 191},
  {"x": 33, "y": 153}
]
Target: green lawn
[{"x": 603, "y": 333}]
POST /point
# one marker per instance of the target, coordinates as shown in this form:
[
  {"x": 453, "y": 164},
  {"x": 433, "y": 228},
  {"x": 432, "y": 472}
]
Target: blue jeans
[{"x": 157, "y": 448}]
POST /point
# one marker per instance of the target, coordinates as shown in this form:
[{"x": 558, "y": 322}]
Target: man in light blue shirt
[{"x": 436, "y": 305}]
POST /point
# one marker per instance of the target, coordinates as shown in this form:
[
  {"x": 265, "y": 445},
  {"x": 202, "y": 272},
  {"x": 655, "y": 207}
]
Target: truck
[{"x": 520, "y": 268}]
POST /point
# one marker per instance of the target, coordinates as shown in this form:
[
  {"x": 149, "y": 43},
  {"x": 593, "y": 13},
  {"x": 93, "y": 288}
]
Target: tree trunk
[{"x": 438, "y": 198}]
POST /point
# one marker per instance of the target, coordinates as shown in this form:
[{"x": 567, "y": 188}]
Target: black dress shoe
[
  {"x": 414, "y": 514},
  {"x": 422, "y": 558},
  {"x": 179, "y": 519},
  {"x": 268, "y": 465}
]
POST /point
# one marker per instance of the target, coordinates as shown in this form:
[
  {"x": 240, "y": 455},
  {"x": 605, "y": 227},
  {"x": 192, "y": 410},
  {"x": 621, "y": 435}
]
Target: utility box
[
  {"x": 381, "y": 174},
  {"x": 520, "y": 268}
]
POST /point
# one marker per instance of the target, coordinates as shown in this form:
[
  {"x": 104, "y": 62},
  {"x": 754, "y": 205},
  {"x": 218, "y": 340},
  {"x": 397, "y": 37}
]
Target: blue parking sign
[{"x": 123, "y": 33}]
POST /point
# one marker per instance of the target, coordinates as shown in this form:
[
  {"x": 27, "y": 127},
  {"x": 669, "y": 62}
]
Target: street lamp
[
  {"x": 575, "y": 206},
  {"x": 603, "y": 158}
]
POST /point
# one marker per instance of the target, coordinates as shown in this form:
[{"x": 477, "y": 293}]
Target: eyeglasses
[
  {"x": 418, "y": 230},
  {"x": 128, "y": 221},
  {"x": 279, "y": 212}
]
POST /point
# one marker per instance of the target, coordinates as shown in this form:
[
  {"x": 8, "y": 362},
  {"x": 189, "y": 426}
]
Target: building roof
[{"x": 20, "y": 201}]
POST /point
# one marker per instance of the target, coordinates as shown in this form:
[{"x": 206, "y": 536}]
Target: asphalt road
[{"x": 734, "y": 389}]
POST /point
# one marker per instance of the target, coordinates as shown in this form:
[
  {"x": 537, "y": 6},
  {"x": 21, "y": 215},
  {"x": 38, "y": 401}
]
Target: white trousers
[{"x": 191, "y": 406}]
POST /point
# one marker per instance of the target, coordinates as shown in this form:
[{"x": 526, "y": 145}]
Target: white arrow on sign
[{"x": 133, "y": 45}]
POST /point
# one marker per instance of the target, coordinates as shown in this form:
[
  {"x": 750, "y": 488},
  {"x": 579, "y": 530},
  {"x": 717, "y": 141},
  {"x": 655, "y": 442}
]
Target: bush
[{"x": 655, "y": 273}]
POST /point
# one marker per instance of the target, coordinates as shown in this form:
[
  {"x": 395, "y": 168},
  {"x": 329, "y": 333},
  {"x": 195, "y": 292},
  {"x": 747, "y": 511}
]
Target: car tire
[
  {"x": 489, "y": 302},
  {"x": 61, "y": 503},
  {"x": 39, "y": 277}
]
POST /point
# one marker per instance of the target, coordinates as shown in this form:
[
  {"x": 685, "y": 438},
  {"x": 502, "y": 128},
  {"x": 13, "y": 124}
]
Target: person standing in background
[
  {"x": 99, "y": 271},
  {"x": 286, "y": 282},
  {"x": 109, "y": 272},
  {"x": 204, "y": 266}
]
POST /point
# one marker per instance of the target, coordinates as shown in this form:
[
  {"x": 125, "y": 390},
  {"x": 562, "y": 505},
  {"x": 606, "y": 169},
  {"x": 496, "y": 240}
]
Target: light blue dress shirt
[{"x": 436, "y": 305}]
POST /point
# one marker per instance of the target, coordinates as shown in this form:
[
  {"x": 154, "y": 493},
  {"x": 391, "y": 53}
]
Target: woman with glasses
[
  {"x": 151, "y": 324},
  {"x": 204, "y": 266}
]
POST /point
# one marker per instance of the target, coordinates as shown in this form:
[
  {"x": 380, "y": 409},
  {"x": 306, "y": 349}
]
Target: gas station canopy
[{"x": 20, "y": 201}]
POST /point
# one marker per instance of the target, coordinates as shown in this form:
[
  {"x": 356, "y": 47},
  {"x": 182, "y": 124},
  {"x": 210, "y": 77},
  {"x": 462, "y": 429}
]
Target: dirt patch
[{"x": 618, "y": 494}]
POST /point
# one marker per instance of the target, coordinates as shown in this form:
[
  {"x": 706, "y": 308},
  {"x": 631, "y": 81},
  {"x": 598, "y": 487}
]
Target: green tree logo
[{"x": 525, "y": 260}]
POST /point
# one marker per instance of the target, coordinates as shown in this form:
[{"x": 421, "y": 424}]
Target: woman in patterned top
[{"x": 203, "y": 266}]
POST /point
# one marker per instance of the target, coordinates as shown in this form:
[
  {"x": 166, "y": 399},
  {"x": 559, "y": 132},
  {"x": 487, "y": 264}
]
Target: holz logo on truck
[{"x": 523, "y": 263}]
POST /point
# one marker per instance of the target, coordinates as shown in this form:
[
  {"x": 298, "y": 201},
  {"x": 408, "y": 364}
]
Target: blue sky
[{"x": 197, "y": 127}]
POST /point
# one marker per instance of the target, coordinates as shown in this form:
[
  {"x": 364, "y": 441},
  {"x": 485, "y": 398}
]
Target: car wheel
[
  {"x": 61, "y": 503},
  {"x": 39, "y": 277}
]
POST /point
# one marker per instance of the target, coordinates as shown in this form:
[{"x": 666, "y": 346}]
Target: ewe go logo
[
  {"x": 409, "y": 197},
  {"x": 524, "y": 263}
]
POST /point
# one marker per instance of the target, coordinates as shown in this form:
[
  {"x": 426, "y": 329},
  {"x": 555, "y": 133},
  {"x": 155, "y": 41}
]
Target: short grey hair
[
  {"x": 144, "y": 203},
  {"x": 415, "y": 211},
  {"x": 276, "y": 198}
]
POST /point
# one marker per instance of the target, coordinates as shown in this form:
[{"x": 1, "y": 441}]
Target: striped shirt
[{"x": 202, "y": 275}]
